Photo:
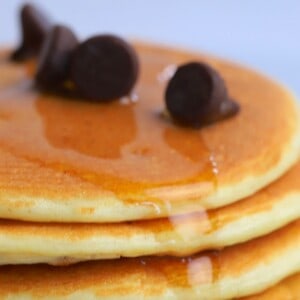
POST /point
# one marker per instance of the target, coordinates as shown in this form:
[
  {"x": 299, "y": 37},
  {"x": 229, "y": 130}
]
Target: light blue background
[{"x": 262, "y": 34}]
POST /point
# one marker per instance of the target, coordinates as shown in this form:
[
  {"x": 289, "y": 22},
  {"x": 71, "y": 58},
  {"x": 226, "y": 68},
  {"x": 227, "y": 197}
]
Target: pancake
[
  {"x": 233, "y": 272},
  {"x": 288, "y": 289},
  {"x": 76, "y": 161},
  {"x": 269, "y": 209},
  {"x": 13, "y": 73}
]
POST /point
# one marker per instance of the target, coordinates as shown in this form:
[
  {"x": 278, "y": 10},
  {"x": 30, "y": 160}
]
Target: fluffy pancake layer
[
  {"x": 267, "y": 210},
  {"x": 91, "y": 162},
  {"x": 288, "y": 289},
  {"x": 235, "y": 271}
]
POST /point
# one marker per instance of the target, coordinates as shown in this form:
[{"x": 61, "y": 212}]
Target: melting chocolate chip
[
  {"x": 54, "y": 61},
  {"x": 35, "y": 26},
  {"x": 197, "y": 96},
  {"x": 104, "y": 68}
]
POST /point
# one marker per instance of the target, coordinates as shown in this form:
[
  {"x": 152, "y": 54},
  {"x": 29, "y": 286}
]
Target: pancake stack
[{"x": 117, "y": 201}]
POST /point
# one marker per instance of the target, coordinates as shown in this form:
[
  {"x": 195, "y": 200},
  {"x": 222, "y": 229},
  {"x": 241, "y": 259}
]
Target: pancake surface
[
  {"x": 267, "y": 210},
  {"x": 235, "y": 271},
  {"x": 91, "y": 162}
]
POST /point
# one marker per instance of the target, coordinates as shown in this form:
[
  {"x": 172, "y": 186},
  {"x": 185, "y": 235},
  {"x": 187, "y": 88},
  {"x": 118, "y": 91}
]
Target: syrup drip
[{"x": 190, "y": 271}]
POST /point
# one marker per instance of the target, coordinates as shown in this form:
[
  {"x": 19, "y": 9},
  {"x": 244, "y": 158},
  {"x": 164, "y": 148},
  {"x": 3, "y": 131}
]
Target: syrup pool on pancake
[{"x": 85, "y": 138}]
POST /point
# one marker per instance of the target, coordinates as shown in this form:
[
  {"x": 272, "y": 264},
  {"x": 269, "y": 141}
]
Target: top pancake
[{"x": 64, "y": 160}]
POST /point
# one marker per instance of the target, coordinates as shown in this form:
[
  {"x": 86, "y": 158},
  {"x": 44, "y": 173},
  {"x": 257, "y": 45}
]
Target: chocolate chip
[
  {"x": 54, "y": 60},
  {"x": 197, "y": 96},
  {"x": 104, "y": 68},
  {"x": 35, "y": 26}
]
